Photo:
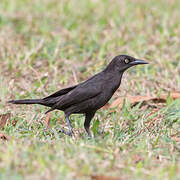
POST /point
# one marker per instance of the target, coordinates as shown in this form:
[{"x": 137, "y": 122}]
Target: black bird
[{"x": 88, "y": 96}]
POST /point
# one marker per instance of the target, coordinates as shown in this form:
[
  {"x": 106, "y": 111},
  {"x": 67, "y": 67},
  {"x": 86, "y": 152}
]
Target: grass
[{"x": 47, "y": 45}]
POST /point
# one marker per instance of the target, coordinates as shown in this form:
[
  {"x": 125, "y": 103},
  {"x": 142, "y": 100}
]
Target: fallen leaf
[
  {"x": 173, "y": 95},
  {"x": 47, "y": 120},
  {"x": 4, "y": 119},
  {"x": 4, "y": 137},
  {"x": 136, "y": 99},
  {"x": 133, "y": 99},
  {"x": 102, "y": 177}
]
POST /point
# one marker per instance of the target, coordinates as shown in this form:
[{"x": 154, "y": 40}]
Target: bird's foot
[
  {"x": 88, "y": 132},
  {"x": 90, "y": 135},
  {"x": 70, "y": 133}
]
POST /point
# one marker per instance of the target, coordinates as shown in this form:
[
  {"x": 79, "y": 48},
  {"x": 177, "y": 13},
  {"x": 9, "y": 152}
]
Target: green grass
[{"x": 47, "y": 45}]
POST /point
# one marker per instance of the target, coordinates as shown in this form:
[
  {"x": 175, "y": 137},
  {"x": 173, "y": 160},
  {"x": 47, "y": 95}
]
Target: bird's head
[{"x": 123, "y": 62}]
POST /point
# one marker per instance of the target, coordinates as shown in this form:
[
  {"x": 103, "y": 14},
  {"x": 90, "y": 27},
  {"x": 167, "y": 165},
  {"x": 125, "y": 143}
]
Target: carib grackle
[{"x": 88, "y": 96}]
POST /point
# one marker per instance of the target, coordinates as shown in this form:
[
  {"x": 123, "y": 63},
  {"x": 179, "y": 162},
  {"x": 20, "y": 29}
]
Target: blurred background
[
  {"x": 68, "y": 41},
  {"x": 46, "y": 45}
]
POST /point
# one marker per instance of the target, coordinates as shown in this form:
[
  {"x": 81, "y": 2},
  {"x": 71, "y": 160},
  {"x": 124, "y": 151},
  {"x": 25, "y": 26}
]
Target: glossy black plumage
[{"x": 89, "y": 96}]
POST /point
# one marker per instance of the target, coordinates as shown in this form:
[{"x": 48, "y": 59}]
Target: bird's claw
[{"x": 70, "y": 133}]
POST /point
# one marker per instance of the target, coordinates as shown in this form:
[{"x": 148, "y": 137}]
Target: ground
[{"x": 46, "y": 45}]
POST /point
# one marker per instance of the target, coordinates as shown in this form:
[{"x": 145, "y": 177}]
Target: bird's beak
[{"x": 138, "y": 61}]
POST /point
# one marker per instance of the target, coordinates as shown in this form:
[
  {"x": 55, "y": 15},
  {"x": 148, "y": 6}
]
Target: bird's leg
[
  {"x": 69, "y": 126},
  {"x": 87, "y": 121}
]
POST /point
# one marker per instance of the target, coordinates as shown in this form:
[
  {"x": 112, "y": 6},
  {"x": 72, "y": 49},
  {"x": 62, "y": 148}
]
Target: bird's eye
[{"x": 126, "y": 61}]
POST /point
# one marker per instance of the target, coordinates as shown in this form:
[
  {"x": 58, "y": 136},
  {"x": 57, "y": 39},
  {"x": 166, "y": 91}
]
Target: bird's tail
[{"x": 27, "y": 101}]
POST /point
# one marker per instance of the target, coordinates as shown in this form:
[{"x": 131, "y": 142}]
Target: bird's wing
[
  {"x": 61, "y": 92},
  {"x": 81, "y": 93}
]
